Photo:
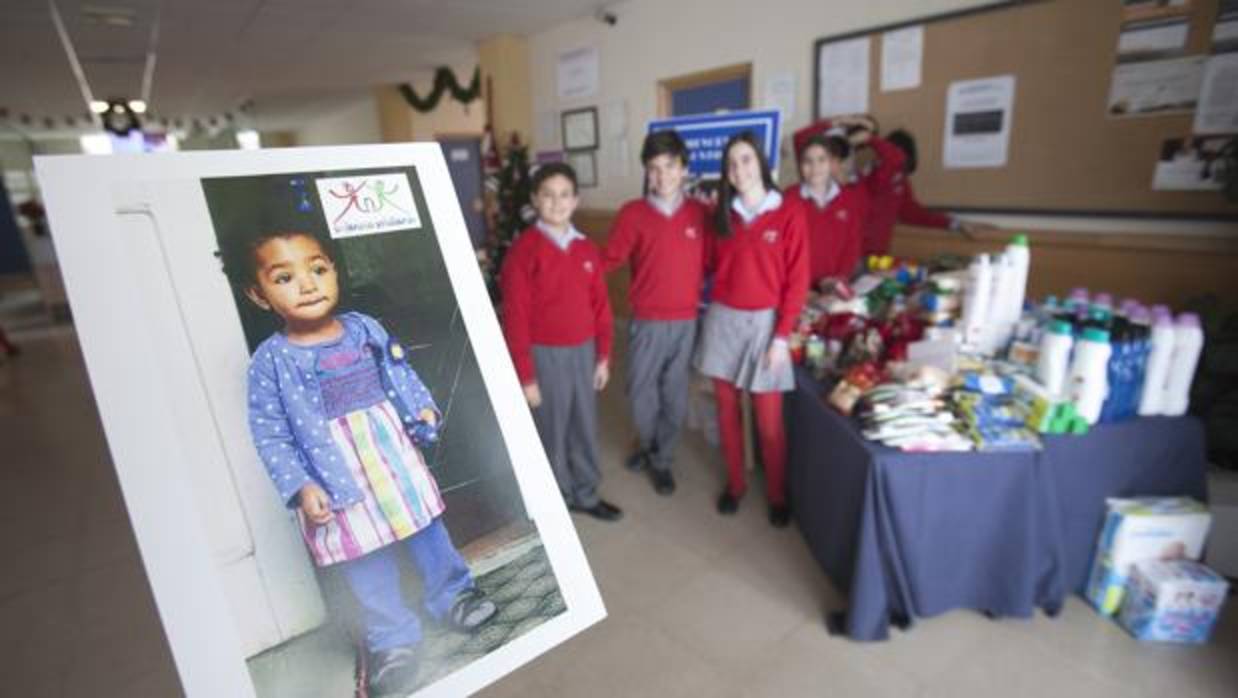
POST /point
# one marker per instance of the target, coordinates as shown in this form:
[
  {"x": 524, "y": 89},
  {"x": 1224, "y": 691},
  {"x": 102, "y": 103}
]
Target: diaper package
[
  {"x": 1172, "y": 601},
  {"x": 1137, "y": 530}
]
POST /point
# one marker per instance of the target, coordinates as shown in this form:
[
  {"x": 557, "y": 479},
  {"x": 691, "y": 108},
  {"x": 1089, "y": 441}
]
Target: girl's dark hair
[
  {"x": 240, "y": 259},
  {"x": 906, "y": 143},
  {"x": 837, "y": 146},
  {"x": 552, "y": 169},
  {"x": 726, "y": 191},
  {"x": 664, "y": 143}
]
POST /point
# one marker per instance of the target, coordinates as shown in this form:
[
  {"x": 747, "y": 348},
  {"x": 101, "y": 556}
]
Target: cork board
[{"x": 1066, "y": 155}]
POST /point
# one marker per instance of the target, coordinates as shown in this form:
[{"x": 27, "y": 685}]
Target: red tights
[{"x": 770, "y": 430}]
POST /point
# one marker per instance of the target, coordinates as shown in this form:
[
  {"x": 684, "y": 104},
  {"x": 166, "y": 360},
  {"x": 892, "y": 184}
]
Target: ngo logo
[{"x": 369, "y": 204}]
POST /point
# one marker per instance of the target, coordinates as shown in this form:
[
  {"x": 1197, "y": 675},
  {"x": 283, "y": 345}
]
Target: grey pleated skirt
[{"x": 733, "y": 346}]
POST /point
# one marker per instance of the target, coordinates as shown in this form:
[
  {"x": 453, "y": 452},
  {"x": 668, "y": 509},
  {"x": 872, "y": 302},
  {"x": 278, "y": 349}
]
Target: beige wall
[
  {"x": 354, "y": 123},
  {"x": 654, "y": 39},
  {"x": 400, "y": 122},
  {"x": 505, "y": 63}
]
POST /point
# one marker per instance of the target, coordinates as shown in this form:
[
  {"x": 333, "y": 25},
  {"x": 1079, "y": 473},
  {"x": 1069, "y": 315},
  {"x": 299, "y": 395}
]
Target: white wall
[
  {"x": 658, "y": 39},
  {"x": 353, "y": 123}
]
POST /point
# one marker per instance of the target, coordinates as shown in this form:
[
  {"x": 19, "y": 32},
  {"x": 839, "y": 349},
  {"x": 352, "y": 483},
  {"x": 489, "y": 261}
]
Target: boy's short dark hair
[
  {"x": 666, "y": 142},
  {"x": 239, "y": 253},
  {"x": 552, "y": 169},
  {"x": 837, "y": 146}
]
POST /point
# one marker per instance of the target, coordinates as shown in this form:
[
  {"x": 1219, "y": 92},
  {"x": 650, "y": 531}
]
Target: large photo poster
[{"x": 372, "y": 499}]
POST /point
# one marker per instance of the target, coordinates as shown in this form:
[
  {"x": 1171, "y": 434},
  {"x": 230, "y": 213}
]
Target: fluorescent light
[
  {"x": 96, "y": 144},
  {"x": 98, "y": 106},
  {"x": 248, "y": 139},
  {"x": 137, "y": 106}
]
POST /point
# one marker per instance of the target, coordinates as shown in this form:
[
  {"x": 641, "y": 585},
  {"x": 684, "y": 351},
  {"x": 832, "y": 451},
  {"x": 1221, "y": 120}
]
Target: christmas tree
[{"x": 512, "y": 211}]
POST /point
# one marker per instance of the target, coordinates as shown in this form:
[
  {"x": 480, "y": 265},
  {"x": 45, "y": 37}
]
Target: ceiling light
[
  {"x": 98, "y": 106},
  {"x": 137, "y": 106}
]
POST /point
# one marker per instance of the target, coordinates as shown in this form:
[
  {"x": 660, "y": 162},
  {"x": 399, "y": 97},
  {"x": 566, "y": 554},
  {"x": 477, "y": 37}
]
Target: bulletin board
[{"x": 1066, "y": 154}]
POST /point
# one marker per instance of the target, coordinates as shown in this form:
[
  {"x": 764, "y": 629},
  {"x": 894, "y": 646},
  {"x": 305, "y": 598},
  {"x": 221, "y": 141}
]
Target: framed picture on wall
[
  {"x": 586, "y": 166},
  {"x": 580, "y": 129}
]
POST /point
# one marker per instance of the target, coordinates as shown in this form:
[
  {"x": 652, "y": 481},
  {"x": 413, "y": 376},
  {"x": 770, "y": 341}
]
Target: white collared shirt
[
  {"x": 561, "y": 240},
  {"x": 831, "y": 191},
  {"x": 772, "y": 200},
  {"x": 664, "y": 206}
]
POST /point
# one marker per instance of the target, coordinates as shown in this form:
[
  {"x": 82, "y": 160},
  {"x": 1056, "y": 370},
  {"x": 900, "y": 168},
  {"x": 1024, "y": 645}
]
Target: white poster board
[
  {"x": 978, "y": 122},
  {"x": 842, "y": 73},
  {"x": 578, "y": 73},
  {"x": 902, "y": 58},
  {"x": 1218, "y": 99},
  {"x": 165, "y": 343}
]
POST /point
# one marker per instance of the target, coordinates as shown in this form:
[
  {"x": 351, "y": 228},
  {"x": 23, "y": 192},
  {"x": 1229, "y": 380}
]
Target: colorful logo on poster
[
  {"x": 706, "y": 136},
  {"x": 367, "y": 205}
]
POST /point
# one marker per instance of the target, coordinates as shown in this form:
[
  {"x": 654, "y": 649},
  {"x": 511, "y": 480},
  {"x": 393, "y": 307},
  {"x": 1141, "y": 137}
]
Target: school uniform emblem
[
  {"x": 690, "y": 231},
  {"x": 770, "y": 236},
  {"x": 842, "y": 215},
  {"x": 589, "y": 266}
]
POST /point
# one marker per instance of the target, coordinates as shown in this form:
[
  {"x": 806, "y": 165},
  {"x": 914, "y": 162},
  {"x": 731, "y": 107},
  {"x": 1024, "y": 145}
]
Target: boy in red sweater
[
  {"x": 557, "y": 322},
  {"x": 663, "y": 236}
]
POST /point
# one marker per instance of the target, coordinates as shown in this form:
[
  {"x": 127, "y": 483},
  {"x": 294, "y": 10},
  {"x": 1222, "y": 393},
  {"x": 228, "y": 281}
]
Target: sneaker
[
  {"x": 603, "y": 511},
  {"x": 470, "y": 611},
  {"x": 779, "y": 515},
  {"x": 728, "y": 503},
  {"x": 663, "y": 481},
  {"x": 393, "y": 671}
]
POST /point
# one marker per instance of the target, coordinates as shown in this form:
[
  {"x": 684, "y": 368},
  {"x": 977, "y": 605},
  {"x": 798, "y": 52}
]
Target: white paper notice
[
  {"x": 1156, "y": 87},
  {"x": 842, "y": 73},
  {"x": 1143, "y": 38},
  {"x": 578, "y": 73},
  {"x": 1218, "y": 99},
  {"x": 902, "y": 54},
  {"x": 978, "y": 120},
  {"x": 780, "y": 95}
]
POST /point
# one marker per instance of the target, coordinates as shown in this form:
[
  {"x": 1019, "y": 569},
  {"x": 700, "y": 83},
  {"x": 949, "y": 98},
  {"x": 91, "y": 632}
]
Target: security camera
[{"x": 609, "y": 18}]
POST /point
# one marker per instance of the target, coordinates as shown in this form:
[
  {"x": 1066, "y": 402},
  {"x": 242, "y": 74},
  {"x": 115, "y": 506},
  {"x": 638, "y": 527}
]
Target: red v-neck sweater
[
  {"x": 667, "y": 254},
  {"x": 552, "y": 297},
  {"x": 764, "y": 264}
]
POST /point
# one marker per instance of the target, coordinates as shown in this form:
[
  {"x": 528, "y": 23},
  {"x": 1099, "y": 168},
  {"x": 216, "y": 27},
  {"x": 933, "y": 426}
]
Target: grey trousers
[
  {"x": 659, "y": 358},
  {"x": 567, "y": 419}
]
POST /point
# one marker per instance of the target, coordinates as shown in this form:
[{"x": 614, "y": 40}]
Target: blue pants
[{"x": 375, "y": 581}]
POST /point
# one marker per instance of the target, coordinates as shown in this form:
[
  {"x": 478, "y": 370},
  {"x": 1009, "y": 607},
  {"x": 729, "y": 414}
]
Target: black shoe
[
  {"x": 393, "y": 672},
  {"x": 470, "y": 611},
  {"x": 637, "y": 461},
  {"x": 728, "y": 503},
  {"x": 663, "y": 481},
  {"x": 603, "y": 511},
  {"x": 779, "y": 515}
]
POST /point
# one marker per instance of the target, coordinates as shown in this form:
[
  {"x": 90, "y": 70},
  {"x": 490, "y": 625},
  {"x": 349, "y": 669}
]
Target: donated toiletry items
[{"x": 1089, "y": 372}]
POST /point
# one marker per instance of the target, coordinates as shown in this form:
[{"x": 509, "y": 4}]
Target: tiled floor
[{"x": 699, "y": 605}]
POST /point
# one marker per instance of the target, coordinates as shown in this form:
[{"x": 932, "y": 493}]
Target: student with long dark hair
[{"x": 760, "y": 263}]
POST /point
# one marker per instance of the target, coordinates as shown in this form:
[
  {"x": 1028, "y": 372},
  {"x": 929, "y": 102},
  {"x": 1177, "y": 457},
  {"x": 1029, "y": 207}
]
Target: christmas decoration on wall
[{"x": 444, "y": 81}]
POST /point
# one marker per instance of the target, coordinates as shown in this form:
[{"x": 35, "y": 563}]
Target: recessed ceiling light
[
  {"x": 98, "y": 106},
  {"x": 137, "y": 106},
  {"x": 109, "y": 16}
]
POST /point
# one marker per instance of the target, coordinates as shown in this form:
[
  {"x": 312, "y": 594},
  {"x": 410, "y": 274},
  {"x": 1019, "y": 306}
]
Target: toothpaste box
[
  {"x": 1172, "y": 601},
  {"x": 1135, "y": 530}
]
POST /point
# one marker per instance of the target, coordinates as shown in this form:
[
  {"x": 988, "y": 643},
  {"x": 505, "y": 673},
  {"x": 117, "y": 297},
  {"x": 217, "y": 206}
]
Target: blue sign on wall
[{"x": 706, "y": 136}]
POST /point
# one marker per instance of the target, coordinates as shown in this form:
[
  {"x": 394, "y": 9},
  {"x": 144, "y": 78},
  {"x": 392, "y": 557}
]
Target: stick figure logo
[{"x": 366, "y": 197}]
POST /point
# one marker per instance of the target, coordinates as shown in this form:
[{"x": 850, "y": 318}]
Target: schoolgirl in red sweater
[
  {"x": 834, "y": 210},
  {"x": 760, "y": 264}
]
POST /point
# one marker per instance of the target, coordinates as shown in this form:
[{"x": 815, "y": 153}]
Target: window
[{"x": 706, "y": 92}]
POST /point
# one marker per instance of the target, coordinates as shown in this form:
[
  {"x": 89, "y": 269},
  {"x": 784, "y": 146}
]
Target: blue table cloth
[{"x": 907, "y": 535}]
